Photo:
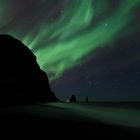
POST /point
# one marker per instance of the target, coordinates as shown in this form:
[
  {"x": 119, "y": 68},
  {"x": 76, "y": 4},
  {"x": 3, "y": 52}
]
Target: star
[{"x": 90, "y": 83}]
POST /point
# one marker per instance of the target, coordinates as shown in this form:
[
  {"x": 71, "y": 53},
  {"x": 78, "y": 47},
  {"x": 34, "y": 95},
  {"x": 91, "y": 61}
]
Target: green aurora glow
[{"x": 81, "y": 27}]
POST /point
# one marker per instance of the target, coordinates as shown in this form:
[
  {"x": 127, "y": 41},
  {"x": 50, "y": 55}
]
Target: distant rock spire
[
  {"x": 87, "y": 99},
  {"x": 73, "y": 98}
]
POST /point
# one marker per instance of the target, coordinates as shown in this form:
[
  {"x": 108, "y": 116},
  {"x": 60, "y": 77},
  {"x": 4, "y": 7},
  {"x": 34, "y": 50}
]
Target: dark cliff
[{"x": 21, "y": 79}]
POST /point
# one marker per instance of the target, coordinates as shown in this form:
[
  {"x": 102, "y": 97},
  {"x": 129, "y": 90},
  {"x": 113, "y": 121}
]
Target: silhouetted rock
[
  {"x": 72, "y": 98},
  {"x": 87, "y": 99},
  {"x": 21, "y": 79}
]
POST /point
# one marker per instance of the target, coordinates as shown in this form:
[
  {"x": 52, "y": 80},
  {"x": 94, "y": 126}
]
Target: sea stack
[{"x": 73, "y": 98}]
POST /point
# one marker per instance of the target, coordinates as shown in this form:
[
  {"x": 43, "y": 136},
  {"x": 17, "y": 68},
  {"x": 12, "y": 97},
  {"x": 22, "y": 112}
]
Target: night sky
[{"x": 87, "y": 47}]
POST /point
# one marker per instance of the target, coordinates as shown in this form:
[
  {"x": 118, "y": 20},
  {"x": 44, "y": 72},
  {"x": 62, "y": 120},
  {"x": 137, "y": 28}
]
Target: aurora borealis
[{"x": 84, "y": 45}]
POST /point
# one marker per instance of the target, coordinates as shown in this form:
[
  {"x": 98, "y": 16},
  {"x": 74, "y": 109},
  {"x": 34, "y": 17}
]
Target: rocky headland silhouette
[{"x": 21, "y": 79}]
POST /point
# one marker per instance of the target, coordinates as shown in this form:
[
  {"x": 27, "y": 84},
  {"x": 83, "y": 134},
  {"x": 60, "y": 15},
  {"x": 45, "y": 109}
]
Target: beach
[{"x": 75, "y": 119}]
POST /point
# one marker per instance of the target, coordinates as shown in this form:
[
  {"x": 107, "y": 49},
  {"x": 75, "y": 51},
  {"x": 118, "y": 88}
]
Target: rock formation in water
[
  {"x": 87, "y": 99},
  {"x": 73, "y": 98}
]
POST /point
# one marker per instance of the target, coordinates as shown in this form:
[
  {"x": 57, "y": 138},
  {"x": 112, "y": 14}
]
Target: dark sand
[{"x": 72, "y": 120}]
